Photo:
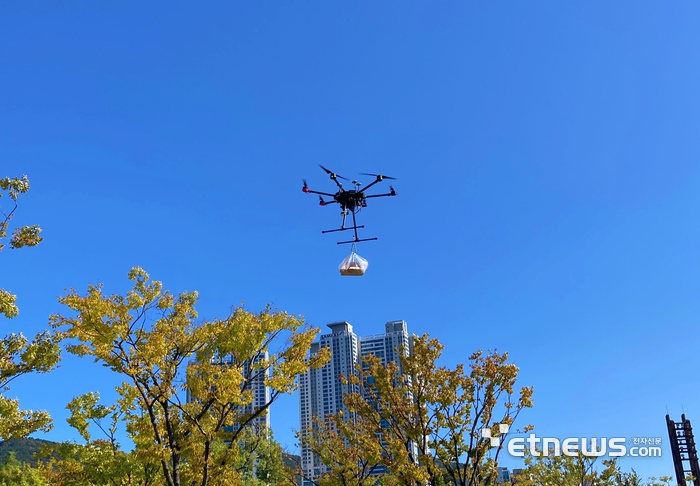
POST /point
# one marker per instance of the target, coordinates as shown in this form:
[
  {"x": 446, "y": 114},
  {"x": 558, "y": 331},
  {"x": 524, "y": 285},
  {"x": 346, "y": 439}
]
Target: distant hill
[
  {"x": 291, "y": 460},
  {"x": 24, "y": 449}
]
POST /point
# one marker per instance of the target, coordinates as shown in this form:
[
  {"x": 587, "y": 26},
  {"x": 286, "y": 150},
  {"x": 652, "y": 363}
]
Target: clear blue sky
[{"x": 547, "y": 156}]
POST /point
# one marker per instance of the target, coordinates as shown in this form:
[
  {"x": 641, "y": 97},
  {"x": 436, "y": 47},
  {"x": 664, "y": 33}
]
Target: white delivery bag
[{"x": 353, "y": 265}]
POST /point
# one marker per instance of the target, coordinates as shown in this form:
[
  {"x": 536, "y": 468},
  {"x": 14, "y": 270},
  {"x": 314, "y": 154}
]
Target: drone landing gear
[
  {"x": 354, "y": 227},
  {"x": 342, "y": 229},
  {"x": 356, "y": 241}
]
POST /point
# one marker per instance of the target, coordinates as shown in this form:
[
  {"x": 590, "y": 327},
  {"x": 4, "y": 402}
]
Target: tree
[
  {"x": 419, "y": 421},
  {"x": 344, "y": 448},
  {"x": 21, "y": 236},
  {"x": 633, "y": 479},
  {"x": 260, "y": 461},
  {"x": 19, "y": 356},
  {"x": 15, "y": 473},
  {"x": 148, "y": 335},
  {"x": 564, "y": 470},
  {"x": 574, "y": 470},
  {"x": 97, "y": 461}
]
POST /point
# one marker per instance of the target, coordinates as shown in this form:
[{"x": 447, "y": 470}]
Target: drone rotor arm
[
  {"x": 309, "y": 191},
  {"x": 334, "y": 177},
  {"x": 322, "y": 202},
  {"x": 393, "y": 193},
  {"x": 369, "y": 185},
  {"x": 379, "y": 178}
]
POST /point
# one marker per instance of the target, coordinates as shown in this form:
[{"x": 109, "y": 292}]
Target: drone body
[{"x": 351, "y": 201}]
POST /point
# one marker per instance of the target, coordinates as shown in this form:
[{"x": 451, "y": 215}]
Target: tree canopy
[
  {"x": 574, "y": 470},
  {"x": 21, "y": 236},
  {"x": 148, "y": 335},
  {"x": 419, "y": 422},
  {"x": 18, "y": 355}
]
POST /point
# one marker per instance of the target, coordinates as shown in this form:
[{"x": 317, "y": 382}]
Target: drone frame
[{"x": 351, "y": 201}]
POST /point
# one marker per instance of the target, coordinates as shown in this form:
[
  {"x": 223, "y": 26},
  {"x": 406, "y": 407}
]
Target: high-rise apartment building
[
  {"x": 261, "y": 392},
  {"x": 321, "y": 390}
]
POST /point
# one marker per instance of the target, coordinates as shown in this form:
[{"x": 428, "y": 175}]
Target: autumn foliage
[{"x": 147, "y": 337}]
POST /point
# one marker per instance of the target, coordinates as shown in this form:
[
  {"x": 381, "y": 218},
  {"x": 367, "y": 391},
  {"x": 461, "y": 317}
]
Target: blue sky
[{"x": 547, "y": 157}]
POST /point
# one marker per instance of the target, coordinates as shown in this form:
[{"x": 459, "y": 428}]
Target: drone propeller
[
  {"x": 306, "y": 187},
  {"x": 379, "y": 176},
  {"x": 333, "y": 174},
  {"x": 391, "y": 190}
]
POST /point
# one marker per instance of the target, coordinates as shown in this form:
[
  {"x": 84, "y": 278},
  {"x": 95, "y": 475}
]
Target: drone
[{"x": 351, "y": 201}]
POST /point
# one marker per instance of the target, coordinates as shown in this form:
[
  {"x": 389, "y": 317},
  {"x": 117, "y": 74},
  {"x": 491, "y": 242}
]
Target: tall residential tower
[{"x": 321, "y": 391}]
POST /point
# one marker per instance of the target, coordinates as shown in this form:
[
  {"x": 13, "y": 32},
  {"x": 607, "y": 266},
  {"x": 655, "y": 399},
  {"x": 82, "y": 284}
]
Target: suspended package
[{"x": 353, "y": 265}]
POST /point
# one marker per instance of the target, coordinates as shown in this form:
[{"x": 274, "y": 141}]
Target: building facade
[
  {"x": 321, "y": 390},
  {"x": 261, "y": 392}
]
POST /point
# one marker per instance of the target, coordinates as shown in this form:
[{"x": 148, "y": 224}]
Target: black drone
[{"x": 351, "y": 201}]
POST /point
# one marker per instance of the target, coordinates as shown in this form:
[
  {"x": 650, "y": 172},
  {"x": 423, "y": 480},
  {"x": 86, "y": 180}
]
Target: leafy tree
[
  {"x": 344, "y": 447},
  {"x": 97, "y": 461},
  {"x": 260, "y": 461},
  {"x": 633, "y": 479},
  {"x": 147, "y": 335},
  {"x": 419, "y": 421},
  {"x": 575, "y": 470},
  {"x": 15, "y": 473},
  {"x": 564, "y": 470},
  {"x": 21, "y": 236},
  {"x": 19, "y": 356}
]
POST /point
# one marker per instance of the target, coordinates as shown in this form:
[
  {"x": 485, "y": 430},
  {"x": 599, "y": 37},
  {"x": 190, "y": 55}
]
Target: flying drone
[{"x": 351, "y": 200}]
